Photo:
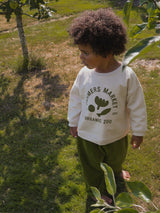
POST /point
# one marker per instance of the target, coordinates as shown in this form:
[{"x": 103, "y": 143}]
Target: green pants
[{"x": 91, "y": 155}]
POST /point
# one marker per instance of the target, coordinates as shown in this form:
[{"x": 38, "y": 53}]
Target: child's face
[{"x": 89, "y": 58}]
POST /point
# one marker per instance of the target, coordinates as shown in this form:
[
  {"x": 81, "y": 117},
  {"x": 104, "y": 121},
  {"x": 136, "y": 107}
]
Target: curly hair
[{"x": 102, "y": 30}]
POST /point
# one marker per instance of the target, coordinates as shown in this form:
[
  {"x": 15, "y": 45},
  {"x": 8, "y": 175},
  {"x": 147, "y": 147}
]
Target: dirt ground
[{"x": 148, "y": 65}]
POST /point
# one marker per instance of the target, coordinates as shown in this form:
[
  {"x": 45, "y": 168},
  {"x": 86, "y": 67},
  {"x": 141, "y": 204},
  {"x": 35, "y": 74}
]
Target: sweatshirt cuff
[
  {"x": 72, "y": 125},
  {"x": 139, "y": 133}
]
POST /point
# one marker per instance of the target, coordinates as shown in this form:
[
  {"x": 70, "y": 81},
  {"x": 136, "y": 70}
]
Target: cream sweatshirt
[{"x": 104, "y": 106}]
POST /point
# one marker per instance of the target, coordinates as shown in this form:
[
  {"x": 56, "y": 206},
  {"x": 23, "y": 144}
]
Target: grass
[
  {"x": 142, "y": 164},
  {"x": 30, "y": 175},
  {"x": 63, "y": 8},
  {"x": 40, "y": 170},
  {"x": 69, "y": 7}
]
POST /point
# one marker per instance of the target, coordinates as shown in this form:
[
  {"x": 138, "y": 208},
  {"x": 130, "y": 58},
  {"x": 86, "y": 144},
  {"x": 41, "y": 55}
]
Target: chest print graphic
[{"x": 100, "y": 103}]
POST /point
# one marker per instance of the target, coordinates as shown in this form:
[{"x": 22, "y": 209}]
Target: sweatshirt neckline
[{"x": 107, "y": 73}]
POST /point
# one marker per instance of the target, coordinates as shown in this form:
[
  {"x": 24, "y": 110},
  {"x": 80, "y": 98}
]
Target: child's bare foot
[
  {"x": 125, "y": 175},
  {"x": 107, "y": 199}
]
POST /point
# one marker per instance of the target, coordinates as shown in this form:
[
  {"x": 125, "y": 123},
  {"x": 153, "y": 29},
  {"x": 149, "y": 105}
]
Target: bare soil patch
[{"x": 148, "y": 65}]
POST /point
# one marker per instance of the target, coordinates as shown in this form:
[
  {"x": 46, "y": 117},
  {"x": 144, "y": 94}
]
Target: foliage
[
  {"x": 35, "y": 64},
  {"x": 123, "y": 203},
  {"x": 10, "y": 7},
  {"x": 150, "y": 15},
  {"x": 133, "y": 52}
]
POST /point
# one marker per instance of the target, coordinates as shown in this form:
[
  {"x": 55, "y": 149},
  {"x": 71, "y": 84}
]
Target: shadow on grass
[
  {"x": 52, "y": 87},
  {"x": 89, "y": 202},
  {"x": 30, "y": 176}
]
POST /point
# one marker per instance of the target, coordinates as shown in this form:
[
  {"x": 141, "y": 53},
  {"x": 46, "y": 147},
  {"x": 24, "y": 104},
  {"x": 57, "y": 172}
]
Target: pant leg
[
  {"x": 91, "y": 156},
  {"x": 115, "y": 156}
]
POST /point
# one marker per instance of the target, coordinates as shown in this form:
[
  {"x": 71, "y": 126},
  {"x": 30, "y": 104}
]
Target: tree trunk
[{"x": 22, "y": 39}]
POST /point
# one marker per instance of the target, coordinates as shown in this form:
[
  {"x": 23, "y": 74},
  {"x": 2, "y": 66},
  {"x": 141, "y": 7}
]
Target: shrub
[{"x": 123, "y": 203}]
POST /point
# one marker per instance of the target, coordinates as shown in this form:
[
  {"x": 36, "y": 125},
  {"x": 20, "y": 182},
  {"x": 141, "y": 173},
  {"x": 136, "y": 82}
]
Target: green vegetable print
[{"x": 100, "y": 102}]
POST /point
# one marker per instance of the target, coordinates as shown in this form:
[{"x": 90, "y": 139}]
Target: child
[{"x": 104, "y": 100}]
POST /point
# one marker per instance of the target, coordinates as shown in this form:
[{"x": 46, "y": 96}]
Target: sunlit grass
[
  {"x": 68, "y": 7},
  {"x": 48, "y": 32}
]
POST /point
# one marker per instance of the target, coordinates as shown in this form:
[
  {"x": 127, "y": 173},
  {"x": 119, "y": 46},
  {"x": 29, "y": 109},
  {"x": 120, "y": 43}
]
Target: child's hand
[
  {"x": 73, "y": 131},
  {"x": 136, "y": 141}
]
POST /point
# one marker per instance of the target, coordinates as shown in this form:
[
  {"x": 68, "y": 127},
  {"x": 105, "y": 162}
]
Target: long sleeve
[
  {"x": 104, "y": 106},
  {"x": 74, "y": 108},
  {"x": 136, "y": 106}
]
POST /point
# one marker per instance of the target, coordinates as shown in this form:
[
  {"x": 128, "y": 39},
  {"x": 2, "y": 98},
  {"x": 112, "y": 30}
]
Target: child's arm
[
  {"x": 74, "y": 108},
  {"x": 136, "y": 141},
  {"x": 137, "y": 110},
  {"x": 73, "y": 131}
]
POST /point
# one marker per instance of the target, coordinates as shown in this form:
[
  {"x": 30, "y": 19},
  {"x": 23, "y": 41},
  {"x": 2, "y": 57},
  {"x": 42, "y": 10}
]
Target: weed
[{"x": 35, "y": 63}]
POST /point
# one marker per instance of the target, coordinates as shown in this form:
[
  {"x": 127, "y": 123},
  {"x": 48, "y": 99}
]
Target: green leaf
[
  {"x": 151, "y": 23},
  {"x": 153, "y": 19},
  {"x": 124, "y": 200},
  {"x": 141, "y": 2},
  {"x": 132, "y": 53},
  {"x": 158, "y": 4},
  {"x": 109, "y": 178},
  {"x": 96, "y": 211},
  {"x": 127, "y": 10},
  {"x": 127, "y": 210},
  {"x": 13, "y": 4},
  {"x": 137, "y": 29},
  {"x": 150, "y": 7},
  {"x": 100, "y": 203},
  {"x": 96, "y": 193},
  {"x": 23, "y": 1},
  {"x": 140, "y": 190}
]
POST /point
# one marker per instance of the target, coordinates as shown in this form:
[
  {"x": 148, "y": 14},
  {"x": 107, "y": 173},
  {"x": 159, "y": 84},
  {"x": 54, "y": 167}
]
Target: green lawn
[{"x": 39, "y": 170}]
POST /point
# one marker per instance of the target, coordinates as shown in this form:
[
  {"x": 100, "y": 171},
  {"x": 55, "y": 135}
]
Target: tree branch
[{"x": 28, "y": 15}]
